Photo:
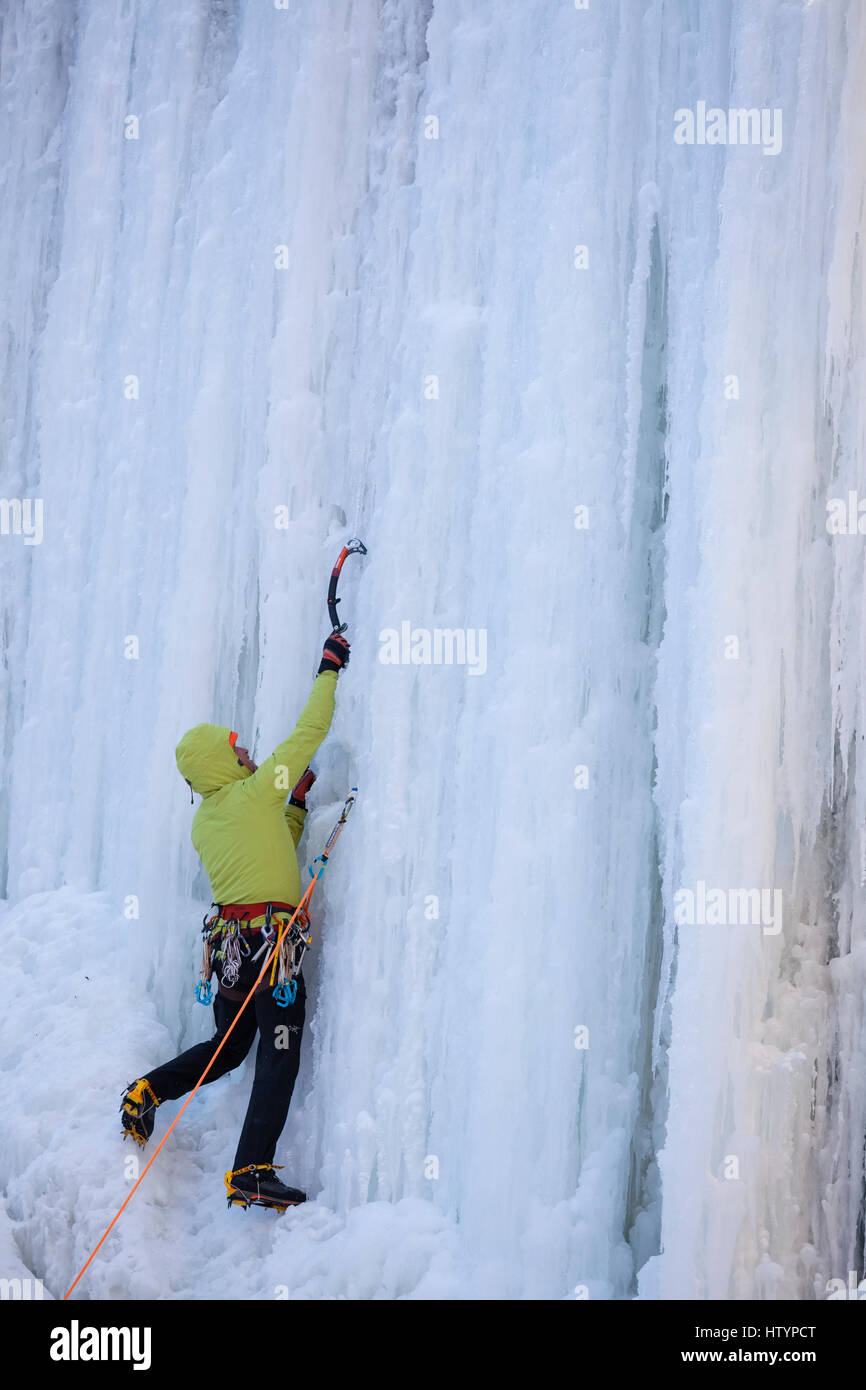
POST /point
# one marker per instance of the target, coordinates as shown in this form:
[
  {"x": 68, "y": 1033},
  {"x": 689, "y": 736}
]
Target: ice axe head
[{"x": 352, "y": 547}]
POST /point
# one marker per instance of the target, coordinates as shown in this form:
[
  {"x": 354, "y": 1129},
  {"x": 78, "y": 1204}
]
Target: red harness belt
[{"x": 244, "y": 912}]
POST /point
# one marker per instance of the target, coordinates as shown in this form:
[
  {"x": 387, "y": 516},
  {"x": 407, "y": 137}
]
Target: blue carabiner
[
  {"x": 203, "y": 992},
  {"x": 284, "y": 993}
]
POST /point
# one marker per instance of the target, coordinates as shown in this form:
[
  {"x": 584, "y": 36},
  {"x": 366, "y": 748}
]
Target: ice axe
[{"x": 352, "y": 547}]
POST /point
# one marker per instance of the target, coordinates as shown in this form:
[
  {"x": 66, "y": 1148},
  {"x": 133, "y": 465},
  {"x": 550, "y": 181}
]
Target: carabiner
[{"x": 284, "y": 993}]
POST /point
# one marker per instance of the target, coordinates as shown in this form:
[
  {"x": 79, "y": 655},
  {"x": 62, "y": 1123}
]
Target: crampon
[
  {"x": 137, "y": 1110},
  {"x": 257, "y": 1185}
]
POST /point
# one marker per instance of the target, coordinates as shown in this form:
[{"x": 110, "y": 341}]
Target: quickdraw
[
  {"x": 210, "y": 930},
  {"x": 334, "y": 835},
  {"x": 233, "y": 949},
  {"x": 268, "y": 933},
  {"x": 288, "y": 958},
  {"x": 225, "y": 947},
  {"x": 285, "y": 993}
]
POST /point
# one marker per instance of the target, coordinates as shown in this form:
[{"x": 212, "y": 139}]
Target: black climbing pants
[{"x": 277, "y": 1059}]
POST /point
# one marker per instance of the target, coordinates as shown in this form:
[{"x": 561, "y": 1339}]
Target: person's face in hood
[{"x": 208, "y": 758}]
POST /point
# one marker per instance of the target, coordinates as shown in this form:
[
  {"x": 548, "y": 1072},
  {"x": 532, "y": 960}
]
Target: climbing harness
[{"x": 225, "y": 946}]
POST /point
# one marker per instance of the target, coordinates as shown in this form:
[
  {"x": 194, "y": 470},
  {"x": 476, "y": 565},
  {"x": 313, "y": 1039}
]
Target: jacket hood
[{"x": 206, "y": 759}]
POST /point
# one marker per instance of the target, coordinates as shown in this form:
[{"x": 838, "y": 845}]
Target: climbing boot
[
  {"x": 258, "y": 1186},
  {"x": 137, "y": 1111}
]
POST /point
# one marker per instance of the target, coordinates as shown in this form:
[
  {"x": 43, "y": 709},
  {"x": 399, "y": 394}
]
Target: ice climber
[{"x": 246, "y": 837}]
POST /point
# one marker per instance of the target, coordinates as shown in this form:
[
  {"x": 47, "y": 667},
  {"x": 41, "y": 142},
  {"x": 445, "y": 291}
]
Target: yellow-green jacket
[{"x": 243, "y": 831}]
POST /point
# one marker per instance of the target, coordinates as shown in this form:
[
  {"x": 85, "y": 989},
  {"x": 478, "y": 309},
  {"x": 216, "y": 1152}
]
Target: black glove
[{"x": 335, "y": 654}]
